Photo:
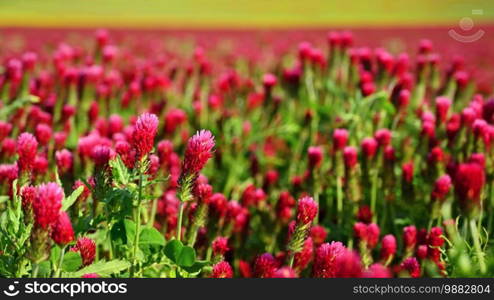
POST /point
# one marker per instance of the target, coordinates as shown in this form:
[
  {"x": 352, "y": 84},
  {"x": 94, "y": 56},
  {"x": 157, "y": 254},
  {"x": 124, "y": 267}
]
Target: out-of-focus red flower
[
  {"x": 340, "y": 139},
  {"x": 441, "y": 187},
  {"x": 26, "y": 149},
  {"x": 220, "y": 245},
  {"x": 469, "y": 181},
  {"x": 62, "y": 231}
]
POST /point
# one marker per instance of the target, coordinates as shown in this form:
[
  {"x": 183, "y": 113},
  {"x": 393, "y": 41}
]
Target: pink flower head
[
  {"x": 90, "y": 275},
  {"x": 350, "y": 157},
  {"x": 377, "y": 271},
  {"x": 222, "y": 270},
  {"x": 265, "y": 266},
  {"x": 144, "y": 133},
  {"x": 63, "y": 159},
  {"x": 442, "y": 106},
  {"x": 87, "y": 248},
  {"x": 388, "y": 247},
  {"x": 220, "y": 245},
  {"x": 62, "y": 232},
  {"x": 369, "y": 147},
  {"x": 26, "y": 149},
  {"x": 47, "y": 204},
  {"x": 410, "y": 237},
  {"x": 441, "y": 187},
  {"x": 469, "y": 181},
  {"x": 198, "y": 151},
  {"x": 412, "y": 266},
  {"x": 306, "y": 210},
  {"x": 269, "y": 81},
  {"x": 173, "y": 119},
  {"x": 340, "y": 138},
  {"x": 383, "y": 137},
  {"x": 315, "y": 154},
  {"x": 325, "y": 259}
]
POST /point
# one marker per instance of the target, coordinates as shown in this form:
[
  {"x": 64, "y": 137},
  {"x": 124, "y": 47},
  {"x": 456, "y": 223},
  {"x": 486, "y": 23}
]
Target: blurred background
[
  {"x": 250, "y": 27},
  {"x": 239, "y": 13}
]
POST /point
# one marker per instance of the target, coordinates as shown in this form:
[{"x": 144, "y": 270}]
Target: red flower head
[
  {"x": 407, "y": 172},
  {"x": 222, "y": 270},
  {"x": 348, "y": 265},
  {"x": 367, "y": 233},
  {"x": 265, "y": 266},
  {"x": 315, "y": 154},
  {"x": 325, "y": 259},
  {"x": 383, "y": 137},
  {"x": 5, "y": 129},
  {"x": 90, "y": 275},
  {"x": 28, "y": 194},
  {"x": 26, "y": 149},
  {"x": 377, "y": 271},
  {"x": 410, "y": 237},
  {"x": 412, "y": 266},
  {"x": 43, "y": 133},
  {"x": 63, "y": 159},
  {"x": 340, "y": 139},
  {"x": 304, "y": 257},
  {"x": 87, "y": 248},
  {"x": 435, "y": 240},
  {"x": 441, "y": 187},
  {"x": 369, "y": 147},
  {"x": 469, "y": 181},
  {"x": 306, "y": 210},
  {"x": 269, "y": 81},
  {"x": 47, "y": 204},
  {"x": 198, "y": 152},
  {"x": 173, "y": 119},
  {"x": 220, "y": 245},
  {"x": 350, "y": 157},
  {"x": 388, "y": 247},
  {"x": 62, "y": 232},
  {"x": 285, "y": 272},
  {"x": 442, "y": 106},
  {"x": 144, "y": 133},
  {"x": 318, "y": 234},
  {"x": 101, "y": 154},
  {"x": 284, "y": 206},
  {"x": 364, "y": 214}
]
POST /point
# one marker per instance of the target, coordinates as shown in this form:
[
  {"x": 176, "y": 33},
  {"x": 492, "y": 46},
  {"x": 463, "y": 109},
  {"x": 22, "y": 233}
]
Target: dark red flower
[
  {"x": 325, "y": 259},
  {"x": 265, "y": 266},
  {"x": 220, "y": 245},
  {"x": 410, "y": 237},
  {"x": 441, "y": 187},
  {"x": 412, "y": 266},
  {"x": 87, "y": 248}
]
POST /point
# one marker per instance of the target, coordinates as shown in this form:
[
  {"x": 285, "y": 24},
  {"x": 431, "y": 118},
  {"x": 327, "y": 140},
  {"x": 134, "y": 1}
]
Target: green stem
[
  {"x": 138, "y": 225},
  {"x": 180, "y": 217},
  {"x": 35, "y": 271},
  {"x": 59, "y": 268}
]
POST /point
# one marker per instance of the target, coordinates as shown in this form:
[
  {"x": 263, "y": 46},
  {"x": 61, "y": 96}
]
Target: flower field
[{"x": 280, "y": 156}]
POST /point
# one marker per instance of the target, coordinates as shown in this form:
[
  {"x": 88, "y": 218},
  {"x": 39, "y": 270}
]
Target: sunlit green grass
[{"x": 239, "y": 13}]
